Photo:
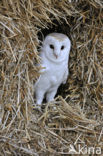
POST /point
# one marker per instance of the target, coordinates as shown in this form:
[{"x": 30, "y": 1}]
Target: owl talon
[{"x": 38, "y": 108}]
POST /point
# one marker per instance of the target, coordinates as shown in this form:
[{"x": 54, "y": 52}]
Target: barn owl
[{"x": 54, "y": 60}]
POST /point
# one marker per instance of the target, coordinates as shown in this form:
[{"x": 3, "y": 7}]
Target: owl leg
[
  {"x": 39, "y": 97},
  {"x": 51, "y": 94}
]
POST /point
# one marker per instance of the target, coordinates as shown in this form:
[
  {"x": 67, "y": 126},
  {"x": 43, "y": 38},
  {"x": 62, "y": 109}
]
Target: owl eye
[
  {"x": 51, "y": 46},
  {"x": 62, "y": 47}
]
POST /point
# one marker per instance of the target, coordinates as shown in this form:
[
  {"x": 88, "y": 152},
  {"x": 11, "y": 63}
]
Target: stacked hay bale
[{"x": 77, "y": 119}]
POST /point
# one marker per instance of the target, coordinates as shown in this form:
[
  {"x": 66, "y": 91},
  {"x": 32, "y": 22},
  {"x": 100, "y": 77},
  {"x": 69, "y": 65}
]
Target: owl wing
[
  {"x": 42, "y": 71},
  {"x": 65, "y": 76}
]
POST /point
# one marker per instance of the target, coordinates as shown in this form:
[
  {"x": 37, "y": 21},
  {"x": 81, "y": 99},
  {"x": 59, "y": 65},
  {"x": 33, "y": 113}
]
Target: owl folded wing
[{"x": 65, "y": 76}]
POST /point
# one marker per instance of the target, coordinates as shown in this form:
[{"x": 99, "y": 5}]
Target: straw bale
[{"x": 76, "y": 115}]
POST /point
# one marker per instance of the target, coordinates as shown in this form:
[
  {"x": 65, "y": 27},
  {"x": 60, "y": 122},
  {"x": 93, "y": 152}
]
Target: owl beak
[{"x": 56, "y": 56}]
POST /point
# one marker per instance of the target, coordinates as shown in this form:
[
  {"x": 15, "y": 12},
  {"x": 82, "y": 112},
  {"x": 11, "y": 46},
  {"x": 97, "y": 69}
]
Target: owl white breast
[{"x": 54, "y": 55}]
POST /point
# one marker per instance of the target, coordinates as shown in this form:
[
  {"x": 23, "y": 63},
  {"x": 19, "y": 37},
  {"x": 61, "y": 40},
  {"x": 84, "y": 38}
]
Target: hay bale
[{"x": 78, "y": 117}]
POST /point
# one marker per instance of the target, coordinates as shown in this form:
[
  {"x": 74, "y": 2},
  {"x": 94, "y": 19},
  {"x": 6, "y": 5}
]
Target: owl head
[{"x": 56, "y": 47}]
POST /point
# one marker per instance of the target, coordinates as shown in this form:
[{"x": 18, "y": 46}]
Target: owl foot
[{"x": 37, "y": 107}]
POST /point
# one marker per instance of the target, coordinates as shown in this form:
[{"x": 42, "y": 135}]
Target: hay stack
[{"x": 78, "y": 117}]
